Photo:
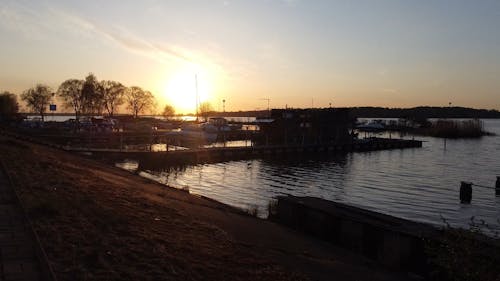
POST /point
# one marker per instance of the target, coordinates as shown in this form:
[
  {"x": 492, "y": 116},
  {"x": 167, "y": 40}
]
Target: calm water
[{"x": 420, "y": 184}]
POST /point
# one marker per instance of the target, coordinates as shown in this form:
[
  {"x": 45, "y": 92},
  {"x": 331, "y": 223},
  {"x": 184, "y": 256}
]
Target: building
[{"x": 307, "y": 126}]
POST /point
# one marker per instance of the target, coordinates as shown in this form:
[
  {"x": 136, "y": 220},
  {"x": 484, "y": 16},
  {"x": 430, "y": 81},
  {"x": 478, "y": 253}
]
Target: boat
[
  {"x": 203, "y": 132},
  {"x": 372, "y": 126}
]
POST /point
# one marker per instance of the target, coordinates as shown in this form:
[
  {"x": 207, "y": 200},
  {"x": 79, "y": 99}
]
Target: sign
[{"x": 53, "y": 107}]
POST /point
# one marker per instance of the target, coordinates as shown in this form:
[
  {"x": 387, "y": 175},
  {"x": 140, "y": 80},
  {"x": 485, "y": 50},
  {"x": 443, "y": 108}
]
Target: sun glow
[{"x": 180, "y": 90}]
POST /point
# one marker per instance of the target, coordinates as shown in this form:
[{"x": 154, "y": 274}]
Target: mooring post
[
  {"x": 465, "y": 192},
  {"x": 497, "y": 187}
]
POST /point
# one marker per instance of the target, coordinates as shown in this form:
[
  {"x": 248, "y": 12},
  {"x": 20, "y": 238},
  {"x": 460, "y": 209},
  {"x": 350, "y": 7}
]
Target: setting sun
[{"x": 180, "y": 90}]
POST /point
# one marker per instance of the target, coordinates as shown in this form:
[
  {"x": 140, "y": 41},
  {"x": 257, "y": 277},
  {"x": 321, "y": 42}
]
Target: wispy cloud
[
  {"x": 126, "y": 39},
  {"x": 18, "y": 18},
  {"x": 35, "y": 23}
]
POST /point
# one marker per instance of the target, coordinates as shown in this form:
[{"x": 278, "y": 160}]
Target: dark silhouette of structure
[{"x": 307, "y": 126}]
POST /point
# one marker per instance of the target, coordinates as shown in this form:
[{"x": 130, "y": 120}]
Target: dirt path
[
  {"x": 97, "y": 222},
  {"x": 18, "y": 260}
]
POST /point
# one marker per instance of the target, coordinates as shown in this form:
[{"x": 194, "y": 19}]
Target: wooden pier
[{"x": 217, "y": 154}]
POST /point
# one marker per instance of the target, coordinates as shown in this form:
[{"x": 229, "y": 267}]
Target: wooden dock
[{"x": 217, "y": 154}]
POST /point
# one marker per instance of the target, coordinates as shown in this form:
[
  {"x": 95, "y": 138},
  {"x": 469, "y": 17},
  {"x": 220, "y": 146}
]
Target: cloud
[
  {"x": 34, "y": 23},
  {"x": 38, "y": 23},
  {"x": 15, "y": 17},
  {"x": 125, "y": 38}
]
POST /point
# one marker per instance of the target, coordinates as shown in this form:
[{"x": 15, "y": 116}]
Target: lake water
[{"x": 420, "y": 184}]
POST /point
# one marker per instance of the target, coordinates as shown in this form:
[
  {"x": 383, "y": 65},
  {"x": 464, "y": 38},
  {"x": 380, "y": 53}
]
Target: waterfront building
[{"x": 307, "y": 126}]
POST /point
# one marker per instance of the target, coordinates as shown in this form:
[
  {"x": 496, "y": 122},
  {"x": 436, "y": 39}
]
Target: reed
[{"x": 457, "y": 129}]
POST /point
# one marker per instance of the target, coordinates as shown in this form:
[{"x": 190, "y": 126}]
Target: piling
[
  {"x": 497, "y": 186},
  {"x": 465, "y": 192}
]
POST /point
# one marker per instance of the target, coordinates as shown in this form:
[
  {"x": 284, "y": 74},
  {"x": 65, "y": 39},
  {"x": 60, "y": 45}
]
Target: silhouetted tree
[
  {"x": 38, "y": 98},
  {"x": 71, "y": 93},
  {"x": 8, "y": 105},
  {"x": 205, "y": 109},
  {"x": 113, "y": 93},
  {"x": 168, "y": 111},
  {"x": 92, "y": 95},
  {"x": 423, "y": 112},
  {"x": 139, "y": 100}
]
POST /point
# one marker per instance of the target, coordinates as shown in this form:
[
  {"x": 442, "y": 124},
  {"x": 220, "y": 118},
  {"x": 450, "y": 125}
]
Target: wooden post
[
  {"x": 121, "y": 139},
  {"x": 497, "y": 186},
  {"x": 465, "y": 192}
]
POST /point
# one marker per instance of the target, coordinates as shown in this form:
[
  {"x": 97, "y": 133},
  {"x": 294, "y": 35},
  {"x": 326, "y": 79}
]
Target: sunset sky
[{"x": 295, "y": 52}]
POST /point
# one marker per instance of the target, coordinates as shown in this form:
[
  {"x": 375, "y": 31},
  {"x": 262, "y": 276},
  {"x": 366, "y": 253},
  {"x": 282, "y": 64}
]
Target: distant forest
[{"x": 420, "y": 112}]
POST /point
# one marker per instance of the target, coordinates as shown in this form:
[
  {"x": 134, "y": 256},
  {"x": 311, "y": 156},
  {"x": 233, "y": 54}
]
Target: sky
[{"x": 296, "y": 53}]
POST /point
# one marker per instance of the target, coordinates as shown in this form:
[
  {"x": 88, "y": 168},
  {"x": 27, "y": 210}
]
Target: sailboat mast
[{"x": 197, "y": 97}]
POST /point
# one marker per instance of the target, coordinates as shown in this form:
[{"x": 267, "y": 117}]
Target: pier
[{"x": 217, "y": 154}]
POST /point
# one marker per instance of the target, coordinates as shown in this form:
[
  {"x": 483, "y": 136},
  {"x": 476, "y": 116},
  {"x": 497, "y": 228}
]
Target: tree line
[
  {"x": 93, "y": 97},
  {"x": 89, "y": 97},
  {"x": 423, "y": 112},
  {"x": 85, "y": 97}
]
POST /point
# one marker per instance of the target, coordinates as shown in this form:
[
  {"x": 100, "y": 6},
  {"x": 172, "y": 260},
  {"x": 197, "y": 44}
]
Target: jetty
[{"x": 218, "y": 154}]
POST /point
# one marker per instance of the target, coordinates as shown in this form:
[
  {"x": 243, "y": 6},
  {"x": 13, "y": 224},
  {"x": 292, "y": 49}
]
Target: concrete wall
[{"x": 392, "y": 246}]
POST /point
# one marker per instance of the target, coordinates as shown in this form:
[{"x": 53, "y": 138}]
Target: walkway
[{"x": 18, "y": 259}]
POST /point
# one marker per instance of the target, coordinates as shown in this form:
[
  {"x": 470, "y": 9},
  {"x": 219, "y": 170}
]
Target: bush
[{"x": 465, "y": 254}]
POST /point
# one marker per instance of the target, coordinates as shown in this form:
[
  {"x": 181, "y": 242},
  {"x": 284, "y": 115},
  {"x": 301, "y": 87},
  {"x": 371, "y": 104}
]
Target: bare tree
[
  {"x": 8, "y": 105},
  {"x": 71, "y": 93},
  {"x": 92, "y": 95},
  {"x": 168, "y": 111},
  {"x": 139, "y": 100},
  {"x": 113, "y": 93},
  {"x": 38, "y": 98},
  {"x": 205, "y": 109}
]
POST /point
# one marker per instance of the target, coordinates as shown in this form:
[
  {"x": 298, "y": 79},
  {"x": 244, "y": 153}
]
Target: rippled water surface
[{"x": 420, "y": 184}]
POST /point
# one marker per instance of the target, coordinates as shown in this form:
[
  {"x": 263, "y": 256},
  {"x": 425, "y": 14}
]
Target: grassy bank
[{"x": 100, "y": 223}]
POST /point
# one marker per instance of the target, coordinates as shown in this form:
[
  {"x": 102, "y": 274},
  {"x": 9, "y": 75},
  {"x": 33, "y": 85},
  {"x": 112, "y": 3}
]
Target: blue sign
[{"x": 53, "y": 107}]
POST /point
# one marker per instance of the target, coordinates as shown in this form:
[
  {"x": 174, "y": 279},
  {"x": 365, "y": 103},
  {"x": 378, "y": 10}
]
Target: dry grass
[
  {"x": 97, "y": 222},
  {"x": 97, "y": 226}
]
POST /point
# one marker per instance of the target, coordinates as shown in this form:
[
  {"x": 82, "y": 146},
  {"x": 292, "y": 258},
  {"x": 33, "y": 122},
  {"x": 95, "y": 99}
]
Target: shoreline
[{"x": 85, "y": 211}]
